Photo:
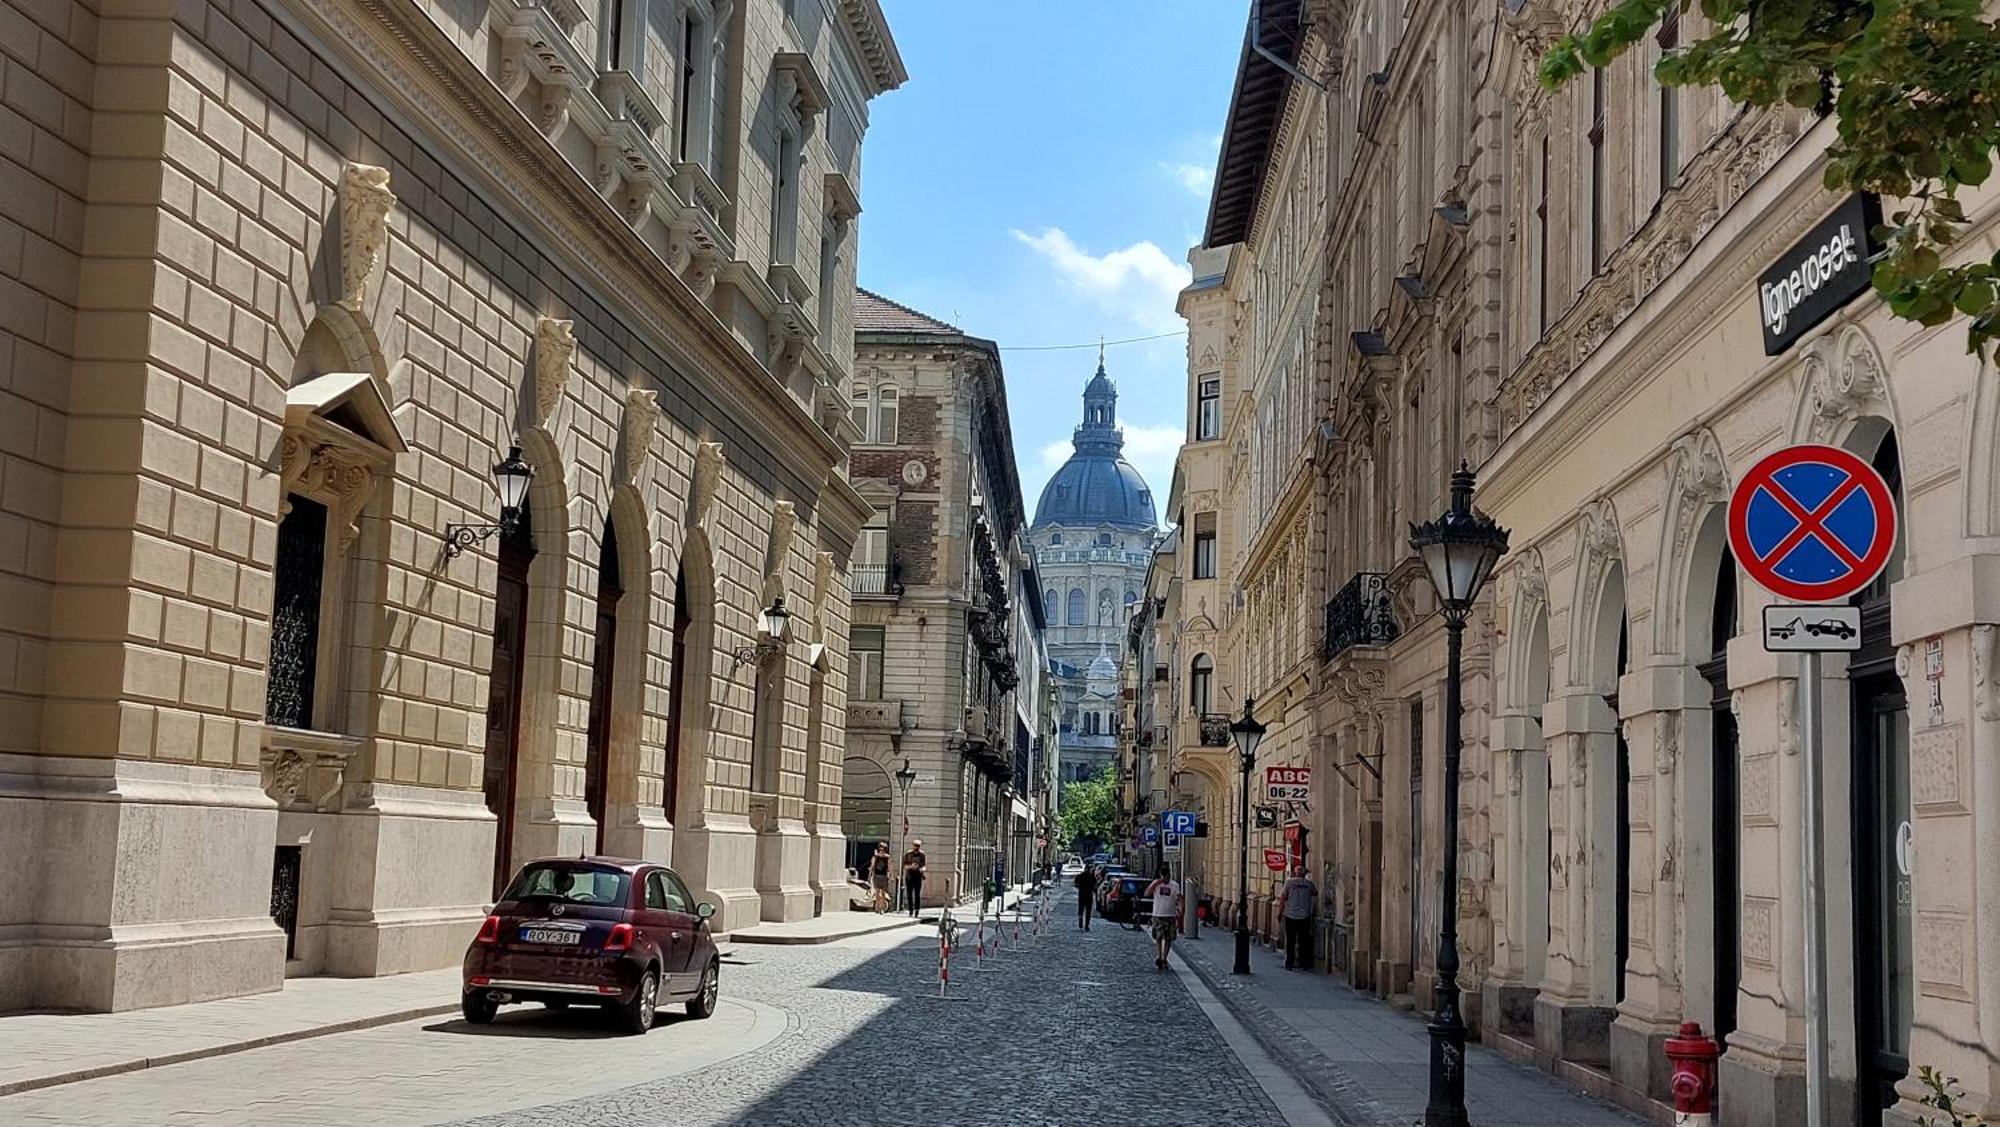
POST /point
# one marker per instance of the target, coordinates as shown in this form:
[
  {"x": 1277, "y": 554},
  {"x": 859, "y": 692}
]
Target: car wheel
[
  {"x": 636, "y": 1016},
  {"x": 703, "y": 1002},
  {"x": 477, "y": 1007}
]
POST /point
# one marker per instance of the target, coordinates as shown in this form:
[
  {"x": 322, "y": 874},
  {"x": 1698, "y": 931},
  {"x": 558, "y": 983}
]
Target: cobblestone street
[{"x": 1069, "y": 1030}]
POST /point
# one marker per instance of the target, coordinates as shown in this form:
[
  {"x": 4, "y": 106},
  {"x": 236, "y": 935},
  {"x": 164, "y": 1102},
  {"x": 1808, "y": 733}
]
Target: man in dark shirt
[
  {"x": 913, "y": 876},
  {"x": 1086, "y": 895}
]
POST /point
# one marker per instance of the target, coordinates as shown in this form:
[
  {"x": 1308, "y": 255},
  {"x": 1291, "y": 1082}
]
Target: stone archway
[{"x": 867, "y": 810}]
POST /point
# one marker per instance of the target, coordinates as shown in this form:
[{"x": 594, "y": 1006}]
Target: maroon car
[{"x": 625, "y": 935}]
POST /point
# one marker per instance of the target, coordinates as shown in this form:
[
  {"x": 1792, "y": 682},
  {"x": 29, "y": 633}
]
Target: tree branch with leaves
[{"x": 1915, "y": 89}]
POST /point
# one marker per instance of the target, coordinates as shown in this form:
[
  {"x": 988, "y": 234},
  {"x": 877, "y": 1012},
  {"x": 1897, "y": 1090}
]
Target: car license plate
[{"x": 556, "y": 935}]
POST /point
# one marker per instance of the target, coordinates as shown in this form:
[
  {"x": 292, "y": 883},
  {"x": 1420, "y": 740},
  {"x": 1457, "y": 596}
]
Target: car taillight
[
  {"x": 620, "y": 938},
  {"x": 489, "y": 932}
]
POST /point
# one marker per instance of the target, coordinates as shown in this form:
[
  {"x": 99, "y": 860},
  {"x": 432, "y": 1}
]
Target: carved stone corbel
[
  {"x": 704, "y": 266},
  {"x": 784, "y": 524},
  {"x": 554, "y": 108},
  {"x": 604, "y": 167},
  {"x": 325, "y": 471},
  {"x": 1985, "y": 698},
  {"x": 642, "y": 418},
  {"x": 707, "y": 476},
  {"x": 365, "y": 203},
  {"x": 555, "y": 354}
]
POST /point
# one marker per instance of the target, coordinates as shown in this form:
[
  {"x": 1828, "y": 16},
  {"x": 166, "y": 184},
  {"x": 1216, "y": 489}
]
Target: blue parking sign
[
  {"x": 1149, "y": 835},
  {"x": 1179, "y": 822}
]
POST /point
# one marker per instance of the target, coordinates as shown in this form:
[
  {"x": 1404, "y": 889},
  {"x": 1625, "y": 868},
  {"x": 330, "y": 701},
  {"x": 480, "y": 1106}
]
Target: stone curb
[
  {"x": 738, "y": 938},
  {"x": 137, "y": 1064},
  {"x": 1338, "y": 1094}
]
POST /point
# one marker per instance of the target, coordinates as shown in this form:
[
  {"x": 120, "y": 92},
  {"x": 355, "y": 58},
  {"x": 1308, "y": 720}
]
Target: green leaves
[
  {"x": 1088, "y": 808},
  {"x": 1916, "y": 95}
]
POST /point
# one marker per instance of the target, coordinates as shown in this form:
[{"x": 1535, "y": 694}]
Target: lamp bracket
[
  {"x": 1373, "y": 768},
  {"x": 459, "y": 537}
]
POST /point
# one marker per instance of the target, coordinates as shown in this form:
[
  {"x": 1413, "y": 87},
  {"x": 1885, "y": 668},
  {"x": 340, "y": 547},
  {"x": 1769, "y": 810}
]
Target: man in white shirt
[{"x": 1166, "y": 894}]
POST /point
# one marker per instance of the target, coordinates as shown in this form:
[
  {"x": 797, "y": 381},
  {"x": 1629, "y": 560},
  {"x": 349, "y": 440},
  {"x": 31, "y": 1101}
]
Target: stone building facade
[
  {"x": 945, "y": 613},
  {"x": 284, "y": 279},
  {"x": 1562, "y": 290},
  {"x": 1092, "y": 540}
]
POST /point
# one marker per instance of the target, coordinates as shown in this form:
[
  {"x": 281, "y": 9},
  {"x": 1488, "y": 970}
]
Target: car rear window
[{"x": 571, "y": 883}]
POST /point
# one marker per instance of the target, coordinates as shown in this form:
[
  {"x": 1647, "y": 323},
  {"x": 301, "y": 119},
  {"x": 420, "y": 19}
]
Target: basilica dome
[{"x": 1097, "y": 485}]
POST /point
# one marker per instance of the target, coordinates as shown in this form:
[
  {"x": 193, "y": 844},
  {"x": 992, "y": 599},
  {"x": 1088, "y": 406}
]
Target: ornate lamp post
[
  {"x": 1247, "y": 733},
  {"x": 1459, "y": 550},
  {"x": 512, "y": 476},
  {"x": 904, "y": 777}
]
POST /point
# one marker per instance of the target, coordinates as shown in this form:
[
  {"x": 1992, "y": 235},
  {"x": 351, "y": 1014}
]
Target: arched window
[
  {"x": 1055, "y": 538},
  {"x": 1076, "y": 610},
  {"x": 1051, "y": 606},
  {"x": 1201, "y": 676}
]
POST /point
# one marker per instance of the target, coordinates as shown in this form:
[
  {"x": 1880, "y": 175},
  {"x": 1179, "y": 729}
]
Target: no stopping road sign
[{"x": 1812, "y": 524}]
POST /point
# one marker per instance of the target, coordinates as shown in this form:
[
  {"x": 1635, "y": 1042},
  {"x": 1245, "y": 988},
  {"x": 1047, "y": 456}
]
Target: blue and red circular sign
[{"x": 1812, "y": 523}]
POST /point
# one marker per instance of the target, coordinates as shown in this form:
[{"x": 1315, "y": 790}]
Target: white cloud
[
  {"x": 1196, "y": 178},
  {"x": 1138, "y": 282}
]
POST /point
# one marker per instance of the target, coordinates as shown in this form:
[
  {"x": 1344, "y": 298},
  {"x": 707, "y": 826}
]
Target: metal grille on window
[
  {"x": 301, "y": 564},
  {"x": 285, "y": 895}
]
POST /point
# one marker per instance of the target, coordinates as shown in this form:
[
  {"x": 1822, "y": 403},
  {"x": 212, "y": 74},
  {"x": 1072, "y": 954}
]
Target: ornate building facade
[
  {"x": 290, "y": 685},
  {"x": 947, "y": 610},
  {"x": 1092, "y": 540},
  {"x": 1563, "y": 291}
]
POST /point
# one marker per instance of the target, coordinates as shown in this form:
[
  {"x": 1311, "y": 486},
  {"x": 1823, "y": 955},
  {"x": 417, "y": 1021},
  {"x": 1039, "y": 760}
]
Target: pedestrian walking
[
  {"x": 1301, "y": 900},
  {"x": 1086, "y": 895},
  {"x": 878, "y": 876},
  {"x": 1166, "y": 894},
  {"x": 914, "y": 863}
]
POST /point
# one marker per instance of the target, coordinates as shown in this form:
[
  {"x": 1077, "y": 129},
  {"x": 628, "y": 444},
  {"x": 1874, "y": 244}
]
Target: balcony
[
  {"x": 1214, "y": 730},
  {"x": 875, "y": 716},
  {"x": 869, "y": 579},
  {"x": 1359, "y": 615},
  {"x": 975, "y": 724}
]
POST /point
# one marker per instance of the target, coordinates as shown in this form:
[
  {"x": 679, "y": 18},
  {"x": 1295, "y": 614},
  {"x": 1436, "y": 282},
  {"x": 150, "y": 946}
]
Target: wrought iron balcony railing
[
  {"x": 1360, "y": 615},
  {"x": 1214, "y": 730}
]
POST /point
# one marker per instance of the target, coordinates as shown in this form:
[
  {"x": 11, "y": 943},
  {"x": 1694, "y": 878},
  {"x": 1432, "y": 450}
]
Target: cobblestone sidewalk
[{"x": 1367, "y": 1062}]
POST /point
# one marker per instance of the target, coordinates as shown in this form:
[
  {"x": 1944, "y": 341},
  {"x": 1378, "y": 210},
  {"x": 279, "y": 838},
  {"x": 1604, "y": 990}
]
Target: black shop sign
[{"x": 1822, "y": 272}]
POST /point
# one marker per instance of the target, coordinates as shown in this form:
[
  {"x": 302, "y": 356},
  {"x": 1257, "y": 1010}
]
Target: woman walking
[{"x": 878, "y": 876}]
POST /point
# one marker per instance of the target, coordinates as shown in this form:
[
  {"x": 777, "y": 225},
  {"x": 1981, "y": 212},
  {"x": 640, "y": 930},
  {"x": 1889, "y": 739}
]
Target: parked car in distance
[
  {"x": 625, "y": 935},
  {"x": 1122, "y": 897}
]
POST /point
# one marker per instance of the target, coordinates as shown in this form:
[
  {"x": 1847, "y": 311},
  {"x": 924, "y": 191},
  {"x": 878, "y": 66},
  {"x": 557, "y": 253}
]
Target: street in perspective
[{"x": 824, "y": 562}]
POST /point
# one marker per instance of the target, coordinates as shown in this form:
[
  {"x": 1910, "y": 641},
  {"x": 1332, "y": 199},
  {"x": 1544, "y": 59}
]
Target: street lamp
[
  {"x": 904, "y": 777},
  {"x": 512, "y": 476},
  {"x": 773, "y": 630},
  {"x": 1247, "y": 733},
  {"x": 1459, "y": 550}
]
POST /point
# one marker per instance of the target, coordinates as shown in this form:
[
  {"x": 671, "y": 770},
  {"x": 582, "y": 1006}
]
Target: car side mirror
[{"x": 704, "y": 909}]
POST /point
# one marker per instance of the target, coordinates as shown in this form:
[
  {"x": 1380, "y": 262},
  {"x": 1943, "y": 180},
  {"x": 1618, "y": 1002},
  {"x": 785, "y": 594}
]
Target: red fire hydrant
[{"x": 1693, "y": 1054}]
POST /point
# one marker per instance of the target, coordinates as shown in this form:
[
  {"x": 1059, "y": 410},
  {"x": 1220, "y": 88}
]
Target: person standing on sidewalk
[
  {"x": 1301, "y": 900},
  {"x": 878, "y": 876},
  {"x": 913, "y": 876},
  {"x": 1166, "y": 894},
  {"x": 1086, "y": 895}
]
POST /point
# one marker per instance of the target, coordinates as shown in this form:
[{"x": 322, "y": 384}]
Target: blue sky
[{"x": 1039, "y": 180}]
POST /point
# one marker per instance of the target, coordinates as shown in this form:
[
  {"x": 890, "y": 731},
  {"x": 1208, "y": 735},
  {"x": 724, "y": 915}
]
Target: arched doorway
[
  {"x": 603, "y": 666},
  {"x": 676, "y": 695},
  {"x": 866, "y": 809},
  {"x": 688, "y": 685},
  {"x": 1879, "y": 790},
  {"x": 503, "y": 693},
  {"x": 1725, "y": 805}
]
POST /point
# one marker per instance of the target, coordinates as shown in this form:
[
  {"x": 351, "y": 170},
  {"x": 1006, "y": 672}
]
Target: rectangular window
[
  {"x": 1542, "y": 242},
  {"x": 870, "y": 571},
  {"x": 830, "y": 232},
  {"x": 885, "y": 417},
  {"x": 1597, "y": 172},
  {"x": 1670, "y": 104},
  {"x": 866, "y": 643},
  {"x": 785, "y": 200},
  {"x": 767, "y": 739},
  {"x": 1204, "y": 546},
  {"x": 693, "y": 52},
  {"x": 859, "y": 404},
  {"x": 295, "y": 615},
  {"x": 1208, "y": 410}
]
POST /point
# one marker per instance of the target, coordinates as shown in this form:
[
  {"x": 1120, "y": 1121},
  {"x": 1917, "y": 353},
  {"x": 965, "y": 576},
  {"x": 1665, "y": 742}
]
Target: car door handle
[{"x": 677, "y": 935}]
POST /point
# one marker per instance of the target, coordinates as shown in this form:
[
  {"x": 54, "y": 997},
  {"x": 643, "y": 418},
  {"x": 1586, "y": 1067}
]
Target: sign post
[{"x": 1813, "y": 524}]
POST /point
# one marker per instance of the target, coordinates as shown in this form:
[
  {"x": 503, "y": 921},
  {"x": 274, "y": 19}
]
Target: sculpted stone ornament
[
  {"x": 1600, "y": 532},
  {"x": 822, "y": 585},
  {"x": 1985, "y": 698},
  {"x": 1845, "y": 375},
  {"x": 784, "y": 523},
  {"x": 642, "y": 418},
  {"x": 707, "y": 476},
  {"x": 555, "y": 353},
  {"x": 554, "y": 108},
  {"x": 365, "y": 203},
  {"x": 326, "y": 471}
]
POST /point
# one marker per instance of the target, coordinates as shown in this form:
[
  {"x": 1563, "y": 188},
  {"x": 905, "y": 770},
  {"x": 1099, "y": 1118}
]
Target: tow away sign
[{"x": 1811, "y": 629}]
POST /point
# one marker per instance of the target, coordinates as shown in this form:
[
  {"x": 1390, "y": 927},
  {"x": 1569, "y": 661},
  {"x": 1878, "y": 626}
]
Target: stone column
[
  {"x": 1573, "y": 1012},
  {"x": 1521, "y": 900}
]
